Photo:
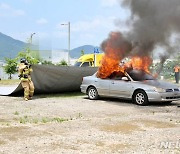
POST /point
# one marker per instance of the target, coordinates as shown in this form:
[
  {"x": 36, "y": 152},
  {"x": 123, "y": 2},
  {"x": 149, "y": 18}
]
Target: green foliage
[
  {"x": 59, "y": 120},
  {"x": 10, "y": 67},
  {"x": 63, "y": 95},
  {"x": 62, "y": 63},
  {"x": 45, "y": 62},
  {"x": 80, "y": 115},
  {"x": 82, "y": 52},
  {"x": 9, "y": 82},
  {"x": 45, "y": 120},
  {"x": 23, "y": 120},
  {"x": 31, "y": 56},
  {"x": 16, "y": 113},
  {"x": 26, "y": 119},
  {"x": 167, "y": 68},
  {"x": 11, "y": 64},
  {"x": 35, "y": 121}
]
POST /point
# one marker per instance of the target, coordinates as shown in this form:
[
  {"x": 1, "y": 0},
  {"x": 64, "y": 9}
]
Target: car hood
[{"x": 160, "y": 84}]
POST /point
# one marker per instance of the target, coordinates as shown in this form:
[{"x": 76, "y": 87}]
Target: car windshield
[
  {"x": 140, "y": 75},
  {"x": 77, "y": 64}
]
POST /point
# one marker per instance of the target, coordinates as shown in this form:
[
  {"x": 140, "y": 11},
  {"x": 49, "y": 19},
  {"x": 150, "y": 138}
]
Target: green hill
[
  {"x": 76, "y": 52},
  {"x": 10, "y": 47}
]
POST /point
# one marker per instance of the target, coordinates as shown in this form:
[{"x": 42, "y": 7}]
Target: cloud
[
  {"x": 85, "y": 25},
  {"x": 60, "y": 34},
  {"x": 109, "y": 3},
  {"x": 92, "y": 31},
  {"x": 26, "y": 1},
  {"x": 42, "y": 21},
  {"x": 18, "y": 13},
  {"x": 4, "y": 6},
  {"x": 8, "y": 11},
  {"x": 90, "y": 25}
]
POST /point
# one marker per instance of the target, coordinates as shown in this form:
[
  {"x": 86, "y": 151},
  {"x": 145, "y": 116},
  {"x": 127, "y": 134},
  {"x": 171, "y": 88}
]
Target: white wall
[{"x": 58, "y": 55}]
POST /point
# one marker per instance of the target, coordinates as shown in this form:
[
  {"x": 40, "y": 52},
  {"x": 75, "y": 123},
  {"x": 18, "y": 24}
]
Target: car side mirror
[{"x": 125, "y": 78}]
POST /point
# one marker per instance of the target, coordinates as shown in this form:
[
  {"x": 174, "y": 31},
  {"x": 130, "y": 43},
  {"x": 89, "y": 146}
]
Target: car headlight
[{"x": 160, "y": 90}]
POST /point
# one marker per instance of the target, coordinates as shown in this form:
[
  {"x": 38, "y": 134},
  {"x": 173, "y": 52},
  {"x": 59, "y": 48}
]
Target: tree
[
  {"x": 10, "y": 67},
  {"x": 82, "y": 52},
  {"x": 166, "y": 69},
  {"x": 62, "y": 63},
  {"x": 31, "y": 58}
]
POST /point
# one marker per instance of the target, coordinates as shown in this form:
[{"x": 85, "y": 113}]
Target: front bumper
[{"x": 163, "y": 97}]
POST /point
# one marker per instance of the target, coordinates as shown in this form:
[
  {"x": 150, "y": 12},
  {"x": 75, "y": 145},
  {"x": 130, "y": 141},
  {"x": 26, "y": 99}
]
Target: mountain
[
  {"x": 76, "y": 52},
  {"x": 10, "y": 47}
]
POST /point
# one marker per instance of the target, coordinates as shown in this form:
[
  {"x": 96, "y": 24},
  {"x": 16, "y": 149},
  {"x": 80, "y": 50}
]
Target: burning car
[{"x": 138, "y": 85}]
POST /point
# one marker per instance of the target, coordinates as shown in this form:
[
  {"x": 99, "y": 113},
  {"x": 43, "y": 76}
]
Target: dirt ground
[{"x": 78, "y": 125}]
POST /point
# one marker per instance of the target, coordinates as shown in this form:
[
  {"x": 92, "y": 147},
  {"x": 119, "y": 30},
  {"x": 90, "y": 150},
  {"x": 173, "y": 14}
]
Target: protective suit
[{"x": 24, "y": 71}]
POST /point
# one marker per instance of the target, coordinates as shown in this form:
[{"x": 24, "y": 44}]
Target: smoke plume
[{"x": 153, "y": 24}]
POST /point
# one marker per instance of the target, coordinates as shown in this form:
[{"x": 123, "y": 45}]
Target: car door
[
  {"x": 120, "y": 88},
  {"x": 102, "y": 86}
]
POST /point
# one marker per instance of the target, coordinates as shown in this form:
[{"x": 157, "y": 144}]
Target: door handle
[
  {"x": 95, "y": 81},
  {"x": 112, "y": 82}
]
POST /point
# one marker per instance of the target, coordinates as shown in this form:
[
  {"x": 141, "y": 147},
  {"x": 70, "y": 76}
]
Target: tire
[
  {"x": 92, "y": 93},
  {"x": 140, "y": 98}
]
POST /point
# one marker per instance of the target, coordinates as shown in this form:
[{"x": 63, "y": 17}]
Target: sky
[{"x": 90, "y": 21}]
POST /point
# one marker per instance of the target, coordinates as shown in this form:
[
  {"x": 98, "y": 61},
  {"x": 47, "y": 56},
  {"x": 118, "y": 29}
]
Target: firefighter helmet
[{"x": 23, "y": 60}]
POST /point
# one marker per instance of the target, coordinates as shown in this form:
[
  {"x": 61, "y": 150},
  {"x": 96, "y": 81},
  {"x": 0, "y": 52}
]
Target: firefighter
[
  {"x": 24, "y": 71},
  {"x": 176, "y": 71}
]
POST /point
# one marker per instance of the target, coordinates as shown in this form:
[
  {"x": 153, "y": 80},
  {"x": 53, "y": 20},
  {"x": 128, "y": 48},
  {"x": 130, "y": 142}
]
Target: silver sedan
[{"x": 136, "y": 85}]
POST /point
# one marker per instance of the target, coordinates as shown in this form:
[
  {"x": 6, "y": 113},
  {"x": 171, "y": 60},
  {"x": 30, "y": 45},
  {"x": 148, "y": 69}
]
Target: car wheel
[
  {"x": 140, "y": 98},
  {"x": 92, "y": 93}
]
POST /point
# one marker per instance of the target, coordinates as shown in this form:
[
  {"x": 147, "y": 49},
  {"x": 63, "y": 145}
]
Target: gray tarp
[{"x": 53, "y": 79}]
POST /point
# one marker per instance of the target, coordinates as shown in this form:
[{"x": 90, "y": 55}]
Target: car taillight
[{"x": 82, "y": 79}]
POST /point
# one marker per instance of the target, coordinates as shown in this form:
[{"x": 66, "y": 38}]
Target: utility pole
[
  {"x": 69, "y": 39},
  {"x": 31, "y": 38}
]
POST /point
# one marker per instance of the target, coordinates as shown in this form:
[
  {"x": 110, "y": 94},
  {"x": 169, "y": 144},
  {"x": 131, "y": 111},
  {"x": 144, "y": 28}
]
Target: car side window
[
  {"x": 117, "y": 78},
  {"x": 85, "y": 64},
  {"x": 116, "y": 75}
]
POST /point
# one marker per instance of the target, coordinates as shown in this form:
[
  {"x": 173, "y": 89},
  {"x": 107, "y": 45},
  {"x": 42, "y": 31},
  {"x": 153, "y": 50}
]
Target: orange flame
[
  {"x": 110, "y": 65},
  {"x": 116, "y": 47},
  {"x": 141, "y": 63}
]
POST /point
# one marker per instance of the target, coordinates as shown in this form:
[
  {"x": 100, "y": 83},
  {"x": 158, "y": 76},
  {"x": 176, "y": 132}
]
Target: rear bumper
[{"x": 163, "y": 97}]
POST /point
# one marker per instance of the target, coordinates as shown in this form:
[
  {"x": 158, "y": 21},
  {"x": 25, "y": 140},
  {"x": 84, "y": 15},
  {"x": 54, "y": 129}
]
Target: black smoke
[{"x": 154, "y": 23}]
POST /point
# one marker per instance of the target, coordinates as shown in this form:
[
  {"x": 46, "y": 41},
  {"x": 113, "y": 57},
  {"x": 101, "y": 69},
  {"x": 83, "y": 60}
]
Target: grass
[
  {"x": 26, "y": 119},
  {"x": 59, "y": 120},
  {"x": 80, "y": 115},
  {"x": 64, "y": 95},
  {"x": 23, "y": 120},
  {"x": 9, "y": 82},
  {"x": 16, "y": 113},
  {"x": 35, "y": 121},
  {"x": 45, "y": 120}
]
